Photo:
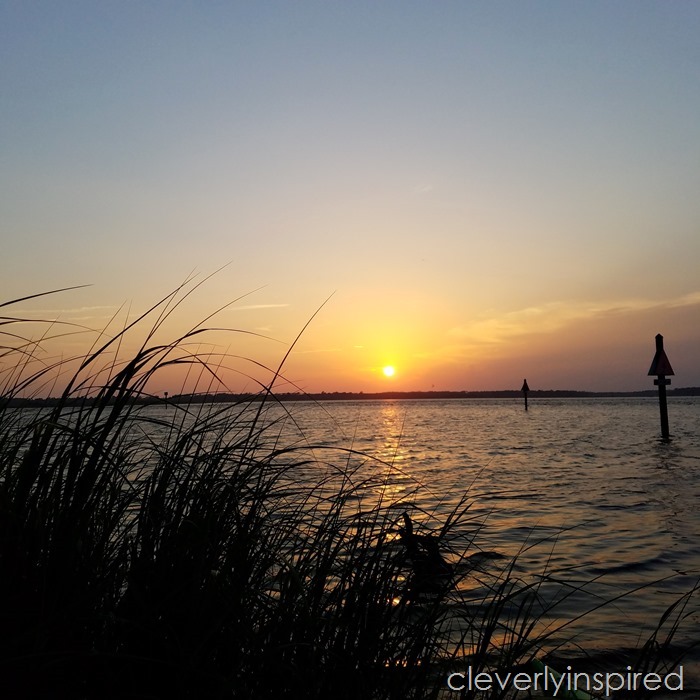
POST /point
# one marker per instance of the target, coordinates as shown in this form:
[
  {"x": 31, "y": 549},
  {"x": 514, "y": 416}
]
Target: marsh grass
[{"x": 199, "y": 556}]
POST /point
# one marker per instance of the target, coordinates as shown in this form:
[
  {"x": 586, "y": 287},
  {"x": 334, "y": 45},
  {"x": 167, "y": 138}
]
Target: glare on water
[
  {"x": 588, "y": 478},
  {"x": 579, "y": 489}
]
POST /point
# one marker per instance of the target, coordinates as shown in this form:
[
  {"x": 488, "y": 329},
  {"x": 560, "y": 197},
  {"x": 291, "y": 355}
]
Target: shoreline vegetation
[
  {"x": 197, "y": 556},
  {"x": 226, "y": 397}
]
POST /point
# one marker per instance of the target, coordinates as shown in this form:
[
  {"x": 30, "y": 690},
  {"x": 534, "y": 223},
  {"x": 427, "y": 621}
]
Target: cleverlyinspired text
[{"x": 552, "y": 682}]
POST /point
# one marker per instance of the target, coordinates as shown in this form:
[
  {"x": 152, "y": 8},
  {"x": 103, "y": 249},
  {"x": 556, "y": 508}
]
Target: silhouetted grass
[{"x": 199, "y": 556}]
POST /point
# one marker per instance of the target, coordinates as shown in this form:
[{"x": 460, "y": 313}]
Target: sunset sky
[{"x": 486, "y": 191}]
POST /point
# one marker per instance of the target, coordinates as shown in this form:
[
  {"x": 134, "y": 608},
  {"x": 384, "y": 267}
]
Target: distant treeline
[{"x": 16, "y": 402}]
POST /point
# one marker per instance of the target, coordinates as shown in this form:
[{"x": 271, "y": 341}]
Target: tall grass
[{"x": 199, "y": 556}]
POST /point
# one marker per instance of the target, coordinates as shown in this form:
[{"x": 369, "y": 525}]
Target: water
[
  {"x": 587, "y": 477},
  {"x": 581, "y": 489}
]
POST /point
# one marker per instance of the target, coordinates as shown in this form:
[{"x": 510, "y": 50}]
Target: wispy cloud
[
  {"x": 687, "y": 300},
  {"x": 317, "y": 350},
  {"x": 255, "y": 307},
  {"x": 551, "y": 317},
  {"x": 60, "y": 312}
]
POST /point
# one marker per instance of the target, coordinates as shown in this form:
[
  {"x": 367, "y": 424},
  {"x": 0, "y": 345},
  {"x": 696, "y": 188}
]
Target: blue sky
[{"x": 488, "y": 189}]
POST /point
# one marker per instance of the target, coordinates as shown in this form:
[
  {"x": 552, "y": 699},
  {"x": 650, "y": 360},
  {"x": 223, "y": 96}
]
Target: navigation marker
[
  {"x": 661, "y": 367},
  {"x": 525, "y": 389}
]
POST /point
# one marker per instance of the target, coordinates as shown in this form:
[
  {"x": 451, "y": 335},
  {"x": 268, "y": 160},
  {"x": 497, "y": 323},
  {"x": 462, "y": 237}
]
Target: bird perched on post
[{"x": 431, "y": 573}]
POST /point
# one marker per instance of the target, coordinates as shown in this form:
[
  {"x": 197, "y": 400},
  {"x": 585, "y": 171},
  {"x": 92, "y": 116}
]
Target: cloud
[
  {"x": 317, "y": 350},
  {"x": 687, "y": 300},
  {"x": 255, "y": 307},
  {"x": 553, "y": 316},
  {"x": 55, "y": 312}
]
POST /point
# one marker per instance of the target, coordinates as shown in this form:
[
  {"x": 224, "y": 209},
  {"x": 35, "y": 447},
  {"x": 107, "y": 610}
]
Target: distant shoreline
[{"x": 17, "y": 402}]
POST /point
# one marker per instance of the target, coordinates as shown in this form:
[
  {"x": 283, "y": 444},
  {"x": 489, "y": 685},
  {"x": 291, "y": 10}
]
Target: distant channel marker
[{"x": 525, "y": 389}]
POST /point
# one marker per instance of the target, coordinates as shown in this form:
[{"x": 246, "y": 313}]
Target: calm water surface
[
  {"x": 582, "y": 490},
  {"x": 588, "y": 478}
]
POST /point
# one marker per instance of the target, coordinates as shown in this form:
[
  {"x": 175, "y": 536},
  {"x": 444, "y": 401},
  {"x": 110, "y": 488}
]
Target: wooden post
[
  {"x": 661, "y": 367},
  {"x": 525, "y": 389},
  {"x": 662, "y": 382}
]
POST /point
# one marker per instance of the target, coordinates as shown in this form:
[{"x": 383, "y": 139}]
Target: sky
[{"x": 471, "y": 192}]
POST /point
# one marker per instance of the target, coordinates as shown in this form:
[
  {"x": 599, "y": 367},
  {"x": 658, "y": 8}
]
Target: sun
[{"x": 389, "y": 371}]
